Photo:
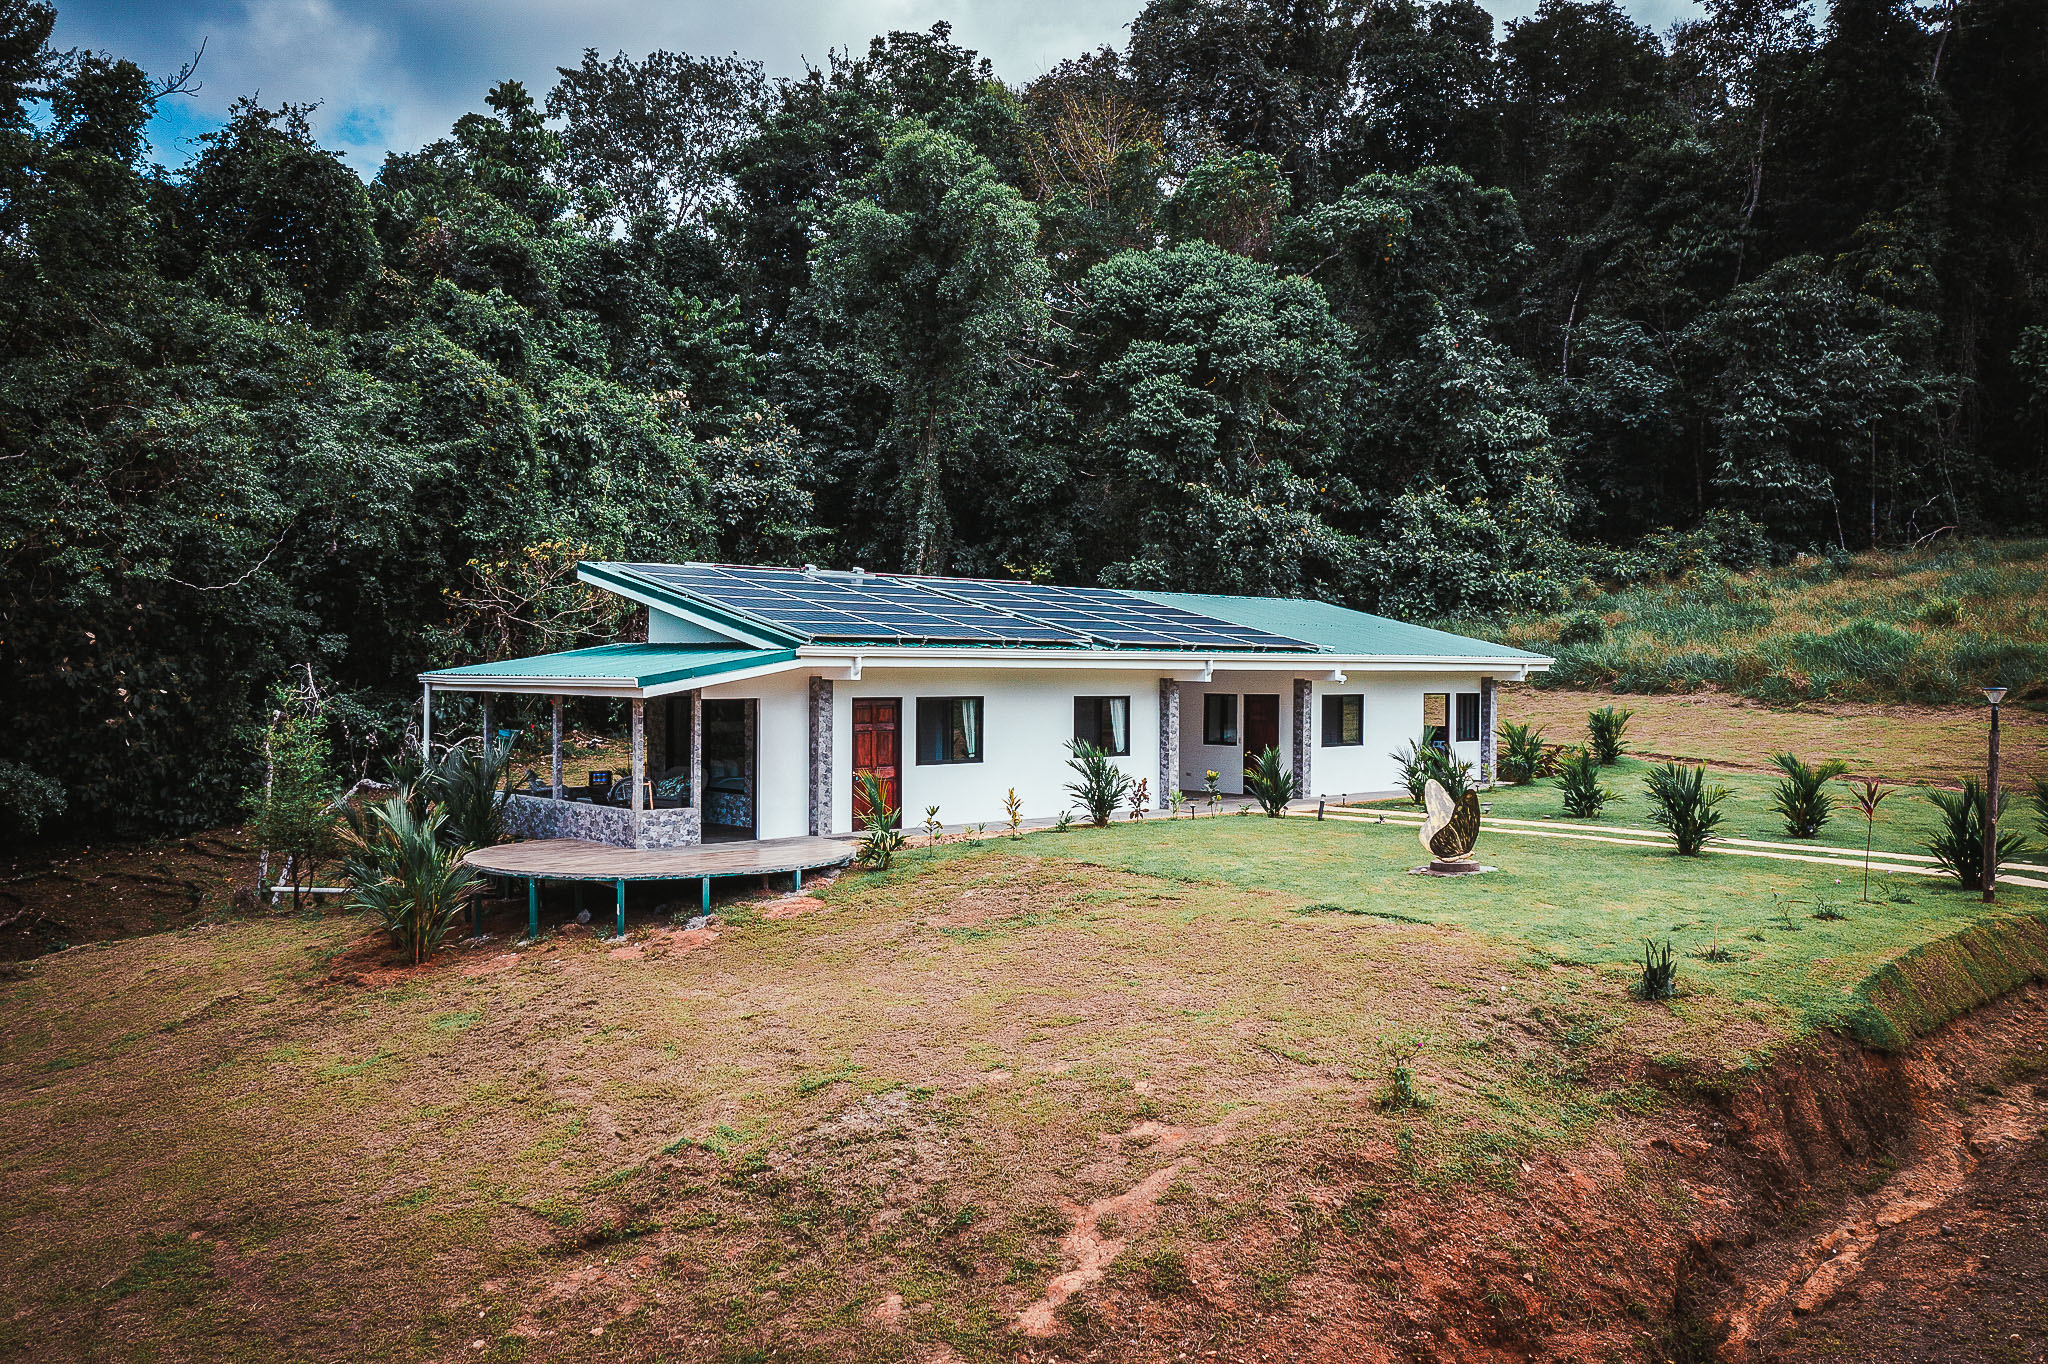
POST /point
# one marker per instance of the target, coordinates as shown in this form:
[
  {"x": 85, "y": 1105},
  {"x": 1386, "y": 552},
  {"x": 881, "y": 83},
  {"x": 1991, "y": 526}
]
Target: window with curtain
[
  {"x": 1104, "y": 721},
  {"x": 948, "y": 729},
  {"x": 1343, "y": 721},
  {"x": 1468, "y": 717},
  {"x": 1436, "y": 720},
  {"x": 1219, "y": 718}
]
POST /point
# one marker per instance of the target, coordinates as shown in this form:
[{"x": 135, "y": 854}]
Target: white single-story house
[{"x": 761, "y": 692}]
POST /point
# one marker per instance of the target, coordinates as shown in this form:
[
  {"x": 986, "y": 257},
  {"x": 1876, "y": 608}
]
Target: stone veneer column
[
  {"x": 697, "y": 763},
  {"x": 1303, "y": 731},
  {"x": 1489, "y": 702},
  {"x": 821, "y": 756},
  {"x": 1169, "y": 738}
]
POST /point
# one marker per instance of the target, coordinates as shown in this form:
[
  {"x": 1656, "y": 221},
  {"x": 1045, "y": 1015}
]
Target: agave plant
[
  {"x": 1270, "y": 784},
  {"x": 1958, "y": 845},
  {"x": 400, "y": 866},
  {"x": 1683, "y": 803},
  {"x": 1801, "y": 795},
  {"x": 1103, "y": 786}
]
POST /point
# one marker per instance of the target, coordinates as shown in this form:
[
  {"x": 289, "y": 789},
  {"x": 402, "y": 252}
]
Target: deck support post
[
  {"x": 426, "y": 719},
  {"x": 558, "y": 747},
  {"x": 799, "y": 878},
  {"x": 622, "y": 908},
  {"x": 707, "y": 895},
  {"x": 532, "y": 908}
]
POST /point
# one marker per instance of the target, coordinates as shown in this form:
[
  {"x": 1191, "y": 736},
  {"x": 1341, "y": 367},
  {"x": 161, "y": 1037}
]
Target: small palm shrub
[
  {"x": 1801, "y": 796},
  {"x": 471, "y": 785},
  {"x": 1523, "y": 755},
  {"x": 1578, "y": 780},
  {"x": 2041, "y": 804},
  {"x": 1659, "y": 979},
  {"x": 880, "y": 839},
  {"x": 1103, "y": 786},
  {"x": 1958, "y": 845},
  {"x": 1013, "y": 810},
  {"x": 1606, "y": 726},
  {"x": 1682, "y": 803},
  {"x": 1454, "y": 775},
  {"x": 400, "y": 866},
  {"x": 1868, "y": 795},
  {"x": 1270, "y": 784},
  {"x": 1411, "y": 768}
]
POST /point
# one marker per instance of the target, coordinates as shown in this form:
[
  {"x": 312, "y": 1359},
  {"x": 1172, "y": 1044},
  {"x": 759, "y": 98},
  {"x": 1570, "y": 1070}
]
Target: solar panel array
[{"x": 885, "y": 609}]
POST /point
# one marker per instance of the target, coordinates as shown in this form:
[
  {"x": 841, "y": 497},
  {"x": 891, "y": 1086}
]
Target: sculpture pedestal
[{"x": 1442, "y": 868}]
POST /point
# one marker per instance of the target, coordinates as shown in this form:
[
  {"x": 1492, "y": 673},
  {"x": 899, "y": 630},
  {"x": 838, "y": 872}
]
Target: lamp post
[{"x": 1994, "y": 695}]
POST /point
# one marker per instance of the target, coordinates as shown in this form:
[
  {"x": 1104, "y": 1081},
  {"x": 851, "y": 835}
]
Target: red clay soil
[{"x": 1891, "y": 1202}]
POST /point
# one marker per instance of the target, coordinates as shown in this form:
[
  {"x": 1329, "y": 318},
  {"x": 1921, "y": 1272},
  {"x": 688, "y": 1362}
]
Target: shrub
[
  {"x": 1582, "y": 627},
  {"x": 28, "y": 800},
  {"x": 1013, "y": 810},
  {"x": 1453, "y": 774},
  {"x": 880, "y": 839},
  {"x": 1270, "y": 784},
  {"x": 1606, "y": 726},
  {"x": 292, "y": 813},
  {"x": 400, "y": 866},
  {"x": 471, "y": 785},
  {"x": 1523, "y": 754},
  {"x": 1682, "y": 803},
  {"x": 1578, "y": 777},
  {"x": 2041, "y": 804},
  {"x": 1801, "y": 795},
  {"x": 933, "y": 825},
  {"x": 1939, "y": 611},
  {"x": 1958, "y": 845},
  {"x": 1659, "y": 979},
  {"x": 1411, "y": 768},
  {"x": 1103, "y": 785},
  {"x": 1140, "y": 798}
]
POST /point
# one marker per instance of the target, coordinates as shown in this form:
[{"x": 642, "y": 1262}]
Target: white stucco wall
[
  {"x": 1393, "y": 717},
  {"x": 1028, "y": 719},
  {"x": 1028, "y": 716}
]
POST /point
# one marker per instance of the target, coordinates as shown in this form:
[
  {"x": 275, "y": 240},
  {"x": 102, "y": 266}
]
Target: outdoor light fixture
[{"x": 1990, "y": 873}]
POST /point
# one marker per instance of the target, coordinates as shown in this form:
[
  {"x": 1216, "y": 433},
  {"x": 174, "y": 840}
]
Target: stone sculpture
[{"x": 1449, "y": 830}]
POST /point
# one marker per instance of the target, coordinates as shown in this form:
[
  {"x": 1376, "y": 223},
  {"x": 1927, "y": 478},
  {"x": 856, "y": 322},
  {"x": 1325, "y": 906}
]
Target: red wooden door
[
  {"x": 878, "y": 748},
  {"x": 1261, "y": 726}
]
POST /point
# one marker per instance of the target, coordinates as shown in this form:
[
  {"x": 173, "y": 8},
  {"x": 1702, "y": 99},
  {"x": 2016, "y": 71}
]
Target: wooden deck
[{"x": 574, "y": 859}]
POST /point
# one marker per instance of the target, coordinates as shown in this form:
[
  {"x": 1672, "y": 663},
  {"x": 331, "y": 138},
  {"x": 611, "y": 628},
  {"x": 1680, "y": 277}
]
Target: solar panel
[
  {"x": 864, "y": 607},
  {"x": 877, "y": 608},
  {"x": 1110, "y": 617}
]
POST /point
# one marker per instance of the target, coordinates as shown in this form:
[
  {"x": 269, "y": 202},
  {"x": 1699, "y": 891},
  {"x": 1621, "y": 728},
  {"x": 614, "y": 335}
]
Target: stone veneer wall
[
  {"x": 539, "y": 817},
  {"x": 1489, "y": 701},
  {"x": 1302, "y": 731},
  {"x": 1169, "y": 738},
  {"x": 821, "y": 757}
]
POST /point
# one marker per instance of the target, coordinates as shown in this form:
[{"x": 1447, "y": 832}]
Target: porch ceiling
[{"x": 610, "y": 670}]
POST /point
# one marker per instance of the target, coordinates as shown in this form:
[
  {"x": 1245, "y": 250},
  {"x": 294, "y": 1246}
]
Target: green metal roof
[
  {"x": 617, "y": 665},
  {"x": 1337, "y": 629}
]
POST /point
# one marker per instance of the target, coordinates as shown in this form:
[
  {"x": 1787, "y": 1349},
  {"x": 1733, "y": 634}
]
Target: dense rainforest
[{"x": 1364, "y": 299}]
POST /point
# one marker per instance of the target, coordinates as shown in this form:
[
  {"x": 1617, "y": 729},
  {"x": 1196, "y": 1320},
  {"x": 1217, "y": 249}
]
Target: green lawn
[
  {"x": 1745, "y": 928},
  {"x": 1905, "y": 821}
]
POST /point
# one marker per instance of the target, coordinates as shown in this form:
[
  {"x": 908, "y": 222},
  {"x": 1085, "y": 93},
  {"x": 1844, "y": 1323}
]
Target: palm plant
[
  {"x": 2041, "y": 804},
  {"x": 400, "y": 866},
  {"x": 880, "y": 839},
  {"x": 1606, "y": 725},
  {"x": 1013, "y": 810},
  {"x": 1868, "y": 795},
  {"x": 1453, "y": 774},
  {"x": 472, "y": 786},
  {"x": 1270, "y": 784},
  {"x": 1682, "y": 803},
  {"x": 1801, "y": 795},
  {"x": 1578, "y": 779},
  {"x": 1103, "y": 786},
  {"x": 1411, "y": 768},
  {"x": 1958, "y": 845},
  {"x": 1523, "y": 754}
]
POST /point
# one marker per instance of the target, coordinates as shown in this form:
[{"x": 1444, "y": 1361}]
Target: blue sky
[{"x": 394, "y": 74}]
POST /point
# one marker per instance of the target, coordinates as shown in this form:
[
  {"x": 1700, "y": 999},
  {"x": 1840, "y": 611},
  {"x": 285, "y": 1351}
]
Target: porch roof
[{"x": 610, "y": 669}]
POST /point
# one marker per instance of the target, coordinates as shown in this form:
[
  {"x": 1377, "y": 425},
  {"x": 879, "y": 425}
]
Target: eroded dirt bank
[{"x": 1843, "y": 1204}]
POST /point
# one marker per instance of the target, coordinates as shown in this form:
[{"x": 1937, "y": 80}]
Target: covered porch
[{"x": 669, "y": 795}]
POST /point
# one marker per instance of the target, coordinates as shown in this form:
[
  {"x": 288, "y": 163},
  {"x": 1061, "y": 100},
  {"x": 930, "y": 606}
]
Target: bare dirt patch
[{"x": 1934, "y": 744}]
